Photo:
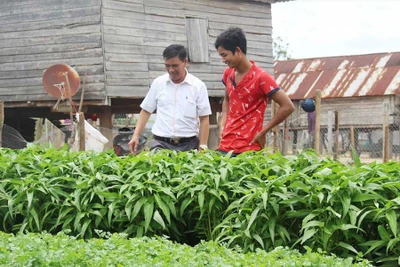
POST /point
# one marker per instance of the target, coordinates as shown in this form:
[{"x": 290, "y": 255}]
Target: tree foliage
[{"x": 281, "y": 49}]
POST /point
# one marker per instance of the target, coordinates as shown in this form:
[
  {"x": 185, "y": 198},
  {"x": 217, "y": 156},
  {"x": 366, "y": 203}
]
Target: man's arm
[
  {"x": 140, "y": 124},
  {"x": 225, "y": 109},
  {"x": 204, "y": 130},
  {"x": 286, "y": 108}
]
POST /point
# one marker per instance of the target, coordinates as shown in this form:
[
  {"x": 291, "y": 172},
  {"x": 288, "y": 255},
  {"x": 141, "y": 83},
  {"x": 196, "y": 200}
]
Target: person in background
[
  {"x": 248, "y": 89},
  {"x": 182, "y": 105}
]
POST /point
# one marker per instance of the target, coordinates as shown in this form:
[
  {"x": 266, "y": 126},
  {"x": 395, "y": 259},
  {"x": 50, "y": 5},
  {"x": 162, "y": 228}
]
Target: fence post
[
  {"x": 275, "y": 130},
  {"x": 317, "y": 130},
  {"x": 1, "y": 121},
  {"x": 81, "y": 127},
  {"x": 336, "y": 155},
  {"x": 385, "y": 132},
  {"x": 285, "y": 143},
  {"x": 352, "y": 142},
  {"x": 330, "y": 132}
]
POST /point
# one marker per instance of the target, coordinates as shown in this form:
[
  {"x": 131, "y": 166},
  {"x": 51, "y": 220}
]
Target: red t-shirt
[{"x": 247, "y": 103}]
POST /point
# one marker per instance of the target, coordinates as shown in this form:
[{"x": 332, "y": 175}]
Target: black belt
[{"x": 176, "y": 140}]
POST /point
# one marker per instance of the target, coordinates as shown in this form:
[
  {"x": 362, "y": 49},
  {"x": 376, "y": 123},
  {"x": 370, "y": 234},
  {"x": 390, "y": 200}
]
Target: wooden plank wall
[
  {"x": 35, "y": 34},
  {"x": 137, "y": 31}
]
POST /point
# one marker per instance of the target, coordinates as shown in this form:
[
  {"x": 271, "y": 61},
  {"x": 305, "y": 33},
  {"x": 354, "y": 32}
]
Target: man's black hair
[
  {"x": 232, "y": 38},
  {"x": 175, "y": 50}
]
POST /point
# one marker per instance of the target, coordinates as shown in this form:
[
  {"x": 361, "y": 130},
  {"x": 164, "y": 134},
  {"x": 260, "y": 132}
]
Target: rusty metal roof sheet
[{"x": 342, "y": 76}]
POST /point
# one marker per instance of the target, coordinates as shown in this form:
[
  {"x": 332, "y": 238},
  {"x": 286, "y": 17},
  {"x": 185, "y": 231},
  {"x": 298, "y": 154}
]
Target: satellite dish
[{"x": 61, "y": 81}]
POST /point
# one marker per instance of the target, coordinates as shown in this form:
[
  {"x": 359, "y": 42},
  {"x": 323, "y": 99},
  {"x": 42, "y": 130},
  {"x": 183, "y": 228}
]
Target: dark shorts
[
  {"x": 165, "y": 143},
  {"x": 224, "y": 153}
]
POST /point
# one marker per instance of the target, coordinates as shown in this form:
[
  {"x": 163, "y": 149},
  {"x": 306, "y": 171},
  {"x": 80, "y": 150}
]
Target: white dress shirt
[{"x": 178, "y": 106}]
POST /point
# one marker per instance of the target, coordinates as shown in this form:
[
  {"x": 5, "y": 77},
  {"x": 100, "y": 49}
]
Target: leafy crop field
[
  {"x": 254, "y": 201},
  {"x": 61, "y": 250}
]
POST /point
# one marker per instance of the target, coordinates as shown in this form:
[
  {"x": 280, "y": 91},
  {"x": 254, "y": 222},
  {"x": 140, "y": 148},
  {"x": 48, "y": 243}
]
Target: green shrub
[{"x": 61, "y": 250}]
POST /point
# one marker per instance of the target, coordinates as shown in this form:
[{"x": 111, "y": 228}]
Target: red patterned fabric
[{"x": 247, "y": 103}]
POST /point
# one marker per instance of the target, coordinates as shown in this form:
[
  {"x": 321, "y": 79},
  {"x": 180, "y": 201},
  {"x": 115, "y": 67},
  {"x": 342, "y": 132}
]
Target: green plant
[{"x": 254, "y": 201}]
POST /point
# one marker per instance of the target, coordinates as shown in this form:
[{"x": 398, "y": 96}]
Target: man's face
[
  {"x": 228, "y": 57},
  {"x": 176, "y": 69}
]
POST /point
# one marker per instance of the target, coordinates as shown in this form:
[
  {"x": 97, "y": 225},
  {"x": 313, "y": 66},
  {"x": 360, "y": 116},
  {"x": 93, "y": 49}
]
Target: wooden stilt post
[
  {"x": 213, "y": 137},
  {"x": 1, "y": 121},
  {"x": 106, "y": 125}
]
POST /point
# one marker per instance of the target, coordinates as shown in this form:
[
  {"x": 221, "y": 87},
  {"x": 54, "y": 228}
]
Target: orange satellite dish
[{"x": 55, "y": 81}]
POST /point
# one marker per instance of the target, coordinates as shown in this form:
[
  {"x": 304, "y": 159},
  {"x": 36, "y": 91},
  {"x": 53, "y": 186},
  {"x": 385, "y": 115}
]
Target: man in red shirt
[{"x": 248, "y": 89}]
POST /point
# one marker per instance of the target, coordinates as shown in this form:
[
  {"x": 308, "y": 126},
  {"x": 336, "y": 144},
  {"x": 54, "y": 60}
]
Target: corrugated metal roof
[
  {"x": 342, "y": 76},
  {"x": 272, "y": 1}
]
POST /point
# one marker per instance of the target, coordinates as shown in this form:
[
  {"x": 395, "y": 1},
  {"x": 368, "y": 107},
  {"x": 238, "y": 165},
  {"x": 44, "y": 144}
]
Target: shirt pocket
[{"x": 190, "y": 109}]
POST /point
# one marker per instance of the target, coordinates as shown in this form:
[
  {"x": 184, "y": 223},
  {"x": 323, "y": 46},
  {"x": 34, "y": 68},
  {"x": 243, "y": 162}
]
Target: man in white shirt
[{"x": 182, "y": 105}]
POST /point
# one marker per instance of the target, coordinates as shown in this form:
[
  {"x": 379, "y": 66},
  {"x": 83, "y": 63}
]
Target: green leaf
[
  {"x": 85, "y": 227},
  {"x": 185, "y": 203},
  {"x": 346, "y": 202},
  {"x": 356, "y": 158},
  {"x": 77, "y": 224},
  {"x": 36, "y": 218},
  {"x": 348, "y": 247},
  {"x": 217, "y": 181},
  {"x": 252, "y": 217},
  {"x": 148, "y": 214},
  {"x": 373, "y": 245},
  {"x": 159, "y": 219},
  {"x": 312, "y": 224},
  {"x": 264, "y": 197},
  {"x": 308, "y": 234},
  {"x": 29, "y": 196},
  {"x": 383, "y": 233},
  {"x": 392, "y": 219},
  {"x": 138, "y": 207},
  {"x": 391, "y": 245},
  {"x": 334, "y": 212},
  {"x": 259, "y": 240},
  {"x": 224, "y": 172},
  {"x": 164, "y": 207},
  {"x": 271, "y": 226},
  {"x": 201, "y": 203}
]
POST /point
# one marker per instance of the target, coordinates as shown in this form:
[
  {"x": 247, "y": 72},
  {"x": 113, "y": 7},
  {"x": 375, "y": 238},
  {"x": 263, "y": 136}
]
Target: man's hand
[
  {"x": 259, "y": 139},
  {"x": 221, "y": 131},
  {"x": 202, "y": 147},
  {"x": 133, "y": 144}
]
